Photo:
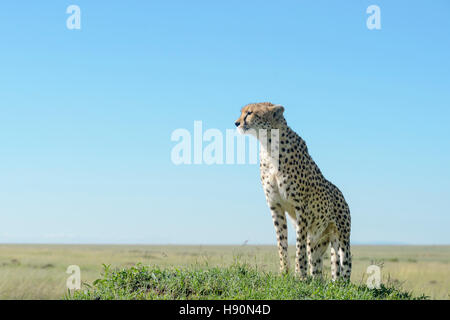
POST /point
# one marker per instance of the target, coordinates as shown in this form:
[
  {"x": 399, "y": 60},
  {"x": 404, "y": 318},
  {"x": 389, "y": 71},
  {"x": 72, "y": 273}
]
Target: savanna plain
[{"x": 39, "y": 271}]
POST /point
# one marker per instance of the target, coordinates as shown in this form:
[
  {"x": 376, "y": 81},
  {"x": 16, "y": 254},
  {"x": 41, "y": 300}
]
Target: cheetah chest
[{"x": 275, "y": 187}]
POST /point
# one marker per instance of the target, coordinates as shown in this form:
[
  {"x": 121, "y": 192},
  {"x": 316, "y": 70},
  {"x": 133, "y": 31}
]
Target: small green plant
[{"x": 239, "y": 281}]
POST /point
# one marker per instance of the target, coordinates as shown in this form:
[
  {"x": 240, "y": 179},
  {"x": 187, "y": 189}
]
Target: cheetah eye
[{"x": 249, "y": 113}]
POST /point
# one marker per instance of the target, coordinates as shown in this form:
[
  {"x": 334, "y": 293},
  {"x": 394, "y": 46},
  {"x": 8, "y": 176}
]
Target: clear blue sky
[{"x": 86, "y": 116}]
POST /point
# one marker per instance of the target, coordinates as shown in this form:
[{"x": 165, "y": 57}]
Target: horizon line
[{"x": 206, "y": 245}]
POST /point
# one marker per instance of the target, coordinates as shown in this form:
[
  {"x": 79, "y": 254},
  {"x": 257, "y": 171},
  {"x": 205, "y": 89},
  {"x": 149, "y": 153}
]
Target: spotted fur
[{"x": 293, "y": 183}]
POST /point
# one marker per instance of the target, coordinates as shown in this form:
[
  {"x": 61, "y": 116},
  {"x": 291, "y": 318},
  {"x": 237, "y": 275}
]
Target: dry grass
[{"x": 38, "y": 271}]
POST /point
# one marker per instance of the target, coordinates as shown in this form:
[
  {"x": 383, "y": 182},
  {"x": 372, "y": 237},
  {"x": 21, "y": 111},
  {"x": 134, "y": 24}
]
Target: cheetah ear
[{"x": 277, "y": 110}]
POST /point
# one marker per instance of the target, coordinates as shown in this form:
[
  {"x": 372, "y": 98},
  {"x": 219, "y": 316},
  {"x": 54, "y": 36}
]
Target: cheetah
[{"x": 294, "y": 184}]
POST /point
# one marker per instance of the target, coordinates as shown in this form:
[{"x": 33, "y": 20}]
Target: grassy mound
[{"x": 236, "y": 282}]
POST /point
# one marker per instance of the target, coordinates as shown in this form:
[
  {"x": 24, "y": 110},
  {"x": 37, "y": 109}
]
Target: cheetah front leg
[
  {"x": 315, "y": 255},
  {"x": 300, "y": 254},
  {"x": 279, "y": 221}
]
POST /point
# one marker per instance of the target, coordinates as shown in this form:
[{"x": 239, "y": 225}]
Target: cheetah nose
[{"x": 237, "y": 123}]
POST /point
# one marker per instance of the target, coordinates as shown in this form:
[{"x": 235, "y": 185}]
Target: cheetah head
[{"x": 256, "y": 116}]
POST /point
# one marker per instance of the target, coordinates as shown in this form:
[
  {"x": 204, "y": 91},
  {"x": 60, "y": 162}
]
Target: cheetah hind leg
[
  {"x": 345, "y": 258},
  {"x": 335, "y": 259}
]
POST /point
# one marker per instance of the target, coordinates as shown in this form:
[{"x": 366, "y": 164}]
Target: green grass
[{"x": 238, "y": 281}]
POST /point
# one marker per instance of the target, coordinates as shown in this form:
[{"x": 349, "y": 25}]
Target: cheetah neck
[
  {"x": 275, "y": 149},
  {"x": 270, "y": 144}
]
